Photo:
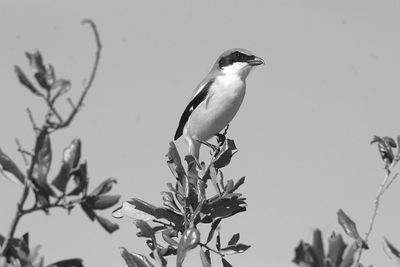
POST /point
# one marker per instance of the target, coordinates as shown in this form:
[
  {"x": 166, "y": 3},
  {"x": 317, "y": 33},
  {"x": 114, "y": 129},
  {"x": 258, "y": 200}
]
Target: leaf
[
  {"x": 109, "y": 226},
  {"x": 348, "y": 256},
  {"x": 103, "y": 202},
  {"x": 174, "y": 162},
  {"x": 43, "y": 163},
  {"x": 145, "y": 229},
  {"x": 189, "y": 240},
  {"x": 158, "y": 213},
  {"x": 224, "y": 157},
  {"x": 350, "y": 228},
  {"x": 225, "y": 263},
  {"x": 318, "y": 248},
  {"x": 205, "y": 258},
  {"x": 238, "y": 184},
  {"x": 104, "y": 187},
  {"x": 71, "y": 157},
  {"x": 336, "y": 247},
  {"x": 385, "y": 145},
  {"x": 224, "y": 207},
  {"x": 7, "y": 165},
  {"x": 218, "y": 241},
  {"x": 25, "y": 81},
  {"x": 68, "y": 263},
  {"x": 234, "y": 249},
  {"x": 234, "y": 239},
  {"x": 35, "y": 61},
  {"x": 214, "y": 226},
  {"x": 167, "y": 236},
  {"x": 135, "y": 260},
  {"x": 130, "y": 210},
  {"x": 80, "y": 178},
  {"x": 60, "y": 87},
  {"x": 304, "y": 254},
  {"x": 391, "y": 251},
  {"x": 169, "y": 201},
  {"x": 89, "y": 211},
  {"x": 158, "y": 256}
]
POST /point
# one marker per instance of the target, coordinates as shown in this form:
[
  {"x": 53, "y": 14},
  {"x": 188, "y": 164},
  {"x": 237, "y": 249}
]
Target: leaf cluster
[{"x": 172, "y": 230}]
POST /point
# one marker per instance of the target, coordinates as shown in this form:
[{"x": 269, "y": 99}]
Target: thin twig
[
  {"x": 210, "y": 249},
  {"x": 386, "y": 182},
  {"x": 30, "y": 115},
  {"x": 23, "y": 151},
  {"x": 77, "y": 107}
]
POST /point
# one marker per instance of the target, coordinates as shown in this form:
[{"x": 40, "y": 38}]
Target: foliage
[
  {"x": 69, "y": 188},
  {"x": 186, "y": 205}
]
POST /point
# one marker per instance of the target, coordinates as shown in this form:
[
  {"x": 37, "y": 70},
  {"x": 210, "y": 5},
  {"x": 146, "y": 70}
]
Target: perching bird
[{"x": 216, "y": 99}]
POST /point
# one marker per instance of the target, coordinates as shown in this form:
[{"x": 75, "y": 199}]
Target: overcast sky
[{"x": 331, "y": 82}]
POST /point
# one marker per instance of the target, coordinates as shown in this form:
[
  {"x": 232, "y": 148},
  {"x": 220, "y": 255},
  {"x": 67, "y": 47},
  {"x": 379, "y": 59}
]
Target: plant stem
[
  {"x": 386, "y": 182},
  {"x": 210, "y": 249}
]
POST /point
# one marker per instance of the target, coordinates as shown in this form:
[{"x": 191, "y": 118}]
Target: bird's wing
[{"x": 199, "y": 97}]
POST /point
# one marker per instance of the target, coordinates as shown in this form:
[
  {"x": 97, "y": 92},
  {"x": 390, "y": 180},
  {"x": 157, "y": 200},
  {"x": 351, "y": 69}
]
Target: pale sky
[{"x": 329, "y": 84}]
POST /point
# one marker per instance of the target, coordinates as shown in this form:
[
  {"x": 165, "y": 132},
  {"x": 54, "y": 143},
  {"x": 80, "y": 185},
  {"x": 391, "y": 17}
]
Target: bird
[{"x": 217, "y": 99}]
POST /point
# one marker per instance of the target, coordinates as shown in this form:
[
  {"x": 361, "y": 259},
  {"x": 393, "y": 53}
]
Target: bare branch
[
  {"x": 23, "y": 151},
  {"x": 77, "y": 107},
  {"x": 34, "y": 125}
]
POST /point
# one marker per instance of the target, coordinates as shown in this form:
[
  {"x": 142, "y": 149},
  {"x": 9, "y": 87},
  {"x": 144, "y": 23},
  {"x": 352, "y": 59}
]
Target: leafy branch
[{"x": 38, "y": 161}]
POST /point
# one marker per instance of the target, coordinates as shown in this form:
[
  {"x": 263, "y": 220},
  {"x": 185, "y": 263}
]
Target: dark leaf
[
  {"x": 145, "y": 229},
  {"x": 238, "y": 184},
  {"x": 25, "y": 81},
  {"x": 391, "y": 251},
  {"x": 390, "y": 141},
  {"x": 218, "y": 241},
  {"x": 225, "y": 263},
  {"x": 42, "y": 166},
  {"x": 36, "y": 61},
  {"x": 350, "y": 228},
  {"x": 224, "y": 157},
  {"x": 158, "y": 213},
  {"x": 89, "y": 211},
  {"x": 109, "y": 226},
  {"x": 304, "y": 254},
  {"x": 234, "y": 239},
  {"x": 7, "y": 165},
  {"x": 67, "y": 263},
  {"x": 336, "y": 249},
  {"x": 80, "y": 178},
  {"x": 71, "y": 157},
  {"x": 214, "y": 226},
  {"x": 174, "y": 162},
  {"x": 228, "y": 187},
  {"x": 205, "y": 258},
  {"x": 135, "y": 260},
  {"x": 41, "y": 78},
  {"x": 104, "y": 201},
  {"x": 318, "y": 247},
  {"x": 224, "y": 207},
  {"x": 104, "y": 187},
  {"x": 168, "y": 235},
  {"x": 238, "y": 248},
  {"x": 189, "y": 240}
]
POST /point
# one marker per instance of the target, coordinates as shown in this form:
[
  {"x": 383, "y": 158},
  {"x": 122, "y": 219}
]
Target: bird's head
[{"x": 237, "y": 61}]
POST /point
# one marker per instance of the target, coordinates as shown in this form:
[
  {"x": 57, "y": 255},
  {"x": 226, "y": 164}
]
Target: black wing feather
[{"x": 197, "y": 99}]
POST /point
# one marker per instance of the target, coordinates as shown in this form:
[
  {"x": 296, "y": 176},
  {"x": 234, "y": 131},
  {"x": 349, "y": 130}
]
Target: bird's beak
[{"x": 256, "y": 61}]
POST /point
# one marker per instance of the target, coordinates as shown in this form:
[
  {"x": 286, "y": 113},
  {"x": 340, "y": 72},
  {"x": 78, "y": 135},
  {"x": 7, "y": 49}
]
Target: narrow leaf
[
  {"x": 135, "y": 260},
  {"x": 174, "y": 161},
  {"x": 127, "y": 209},
  {"x": 145, "y": 229},
  {"x": 109, "y": 226},
  {"x": 234, "y": 239},
  {"x": 225, "y": 263},
  {"x": 25, "y": 81},
  {"x": 7, "y": 165},
  {"x": 235, "y": 249},
  {"x": 214, "y": 226},
  {"x": 205, "y": 258},
  {"x": 68, "y": 263},
  {"x": 104, "y": 187},
  {"x": 105, "y": 201},
  {"x": 391, "y": 251},
  {"x": 350, "y": 228}
]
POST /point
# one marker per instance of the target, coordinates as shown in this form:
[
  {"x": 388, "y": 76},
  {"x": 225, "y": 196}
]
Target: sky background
[{"x": 331, "y": 82}]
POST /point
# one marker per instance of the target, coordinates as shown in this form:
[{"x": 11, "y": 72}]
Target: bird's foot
[{"x": 222, "y": 137}]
